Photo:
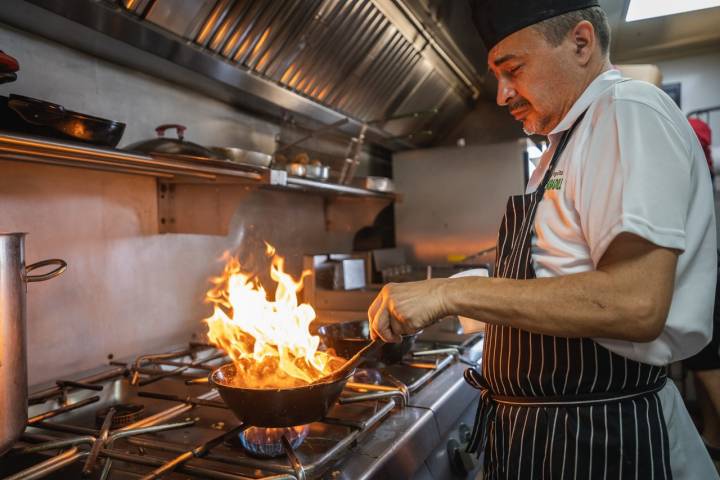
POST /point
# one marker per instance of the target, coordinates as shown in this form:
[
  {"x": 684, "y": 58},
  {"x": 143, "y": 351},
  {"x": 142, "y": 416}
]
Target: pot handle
[
  {"x": 61, "y": 267},
  {"x": 197, "y": 381},
  {"x": 180, "y": 129}
]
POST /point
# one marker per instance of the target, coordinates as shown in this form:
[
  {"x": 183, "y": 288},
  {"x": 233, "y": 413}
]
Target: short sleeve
[{"x": 636, "y": 178}]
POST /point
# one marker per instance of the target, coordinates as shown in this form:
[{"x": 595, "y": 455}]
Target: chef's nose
[{"x": 505, "y": 92}]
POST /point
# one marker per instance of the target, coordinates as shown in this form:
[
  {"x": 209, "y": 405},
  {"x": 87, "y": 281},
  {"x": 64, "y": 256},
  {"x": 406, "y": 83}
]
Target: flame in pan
[{"x": 268, "y": 341}]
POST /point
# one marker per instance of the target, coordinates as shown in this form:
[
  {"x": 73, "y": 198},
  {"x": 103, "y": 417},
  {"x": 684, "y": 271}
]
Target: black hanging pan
[{"x": 38, "y": 117}]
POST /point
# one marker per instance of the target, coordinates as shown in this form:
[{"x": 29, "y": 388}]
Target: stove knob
[{"x": 461, "y": 462}]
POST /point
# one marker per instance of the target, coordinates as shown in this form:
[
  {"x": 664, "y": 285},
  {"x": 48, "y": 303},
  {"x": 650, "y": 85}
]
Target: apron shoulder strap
[{"x": 559, "y": 151}]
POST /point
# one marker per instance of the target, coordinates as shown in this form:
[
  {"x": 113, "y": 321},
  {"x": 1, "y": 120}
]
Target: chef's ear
[{"x": 584, "y": 41}]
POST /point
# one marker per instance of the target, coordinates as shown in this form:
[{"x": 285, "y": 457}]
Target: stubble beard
[{"x": 539, "y": 127}]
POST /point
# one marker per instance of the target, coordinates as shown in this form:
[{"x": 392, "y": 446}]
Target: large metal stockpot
[{"x": 13, "y": 350}]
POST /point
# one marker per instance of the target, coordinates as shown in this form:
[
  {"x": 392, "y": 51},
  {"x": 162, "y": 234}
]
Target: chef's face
[{"x": 535, "y": 79}]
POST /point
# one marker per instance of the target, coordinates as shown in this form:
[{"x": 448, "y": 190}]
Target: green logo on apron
[{"x": 556, "y": 181}]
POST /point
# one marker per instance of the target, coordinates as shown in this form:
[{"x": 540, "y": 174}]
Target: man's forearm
[
  {"x": 583, "y": 305},
  {"x": 627, "y": 298}
]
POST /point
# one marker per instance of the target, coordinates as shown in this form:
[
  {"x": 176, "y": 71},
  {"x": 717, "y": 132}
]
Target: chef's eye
[{"x": 515, "y": 70}]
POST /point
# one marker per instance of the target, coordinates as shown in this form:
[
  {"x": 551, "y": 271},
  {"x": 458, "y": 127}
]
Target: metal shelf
[
  {"x": 27, "y": 148},
  {"x": 334, "y": 188}
]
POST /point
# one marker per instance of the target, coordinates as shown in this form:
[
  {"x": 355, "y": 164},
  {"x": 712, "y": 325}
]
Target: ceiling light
[{"x": 642, "y": 9}]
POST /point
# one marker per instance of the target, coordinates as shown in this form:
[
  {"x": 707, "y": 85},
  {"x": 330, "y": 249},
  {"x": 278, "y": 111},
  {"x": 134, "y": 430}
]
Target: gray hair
[{"x": 556, "y": 29}]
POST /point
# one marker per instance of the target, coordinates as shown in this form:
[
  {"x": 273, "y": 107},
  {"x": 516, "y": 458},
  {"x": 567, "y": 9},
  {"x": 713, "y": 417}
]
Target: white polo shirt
[{"x": 633, "y": 165}]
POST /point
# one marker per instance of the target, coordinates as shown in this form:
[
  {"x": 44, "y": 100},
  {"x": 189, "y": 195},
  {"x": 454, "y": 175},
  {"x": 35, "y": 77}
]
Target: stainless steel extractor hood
[{"x": 323, "y": 60}]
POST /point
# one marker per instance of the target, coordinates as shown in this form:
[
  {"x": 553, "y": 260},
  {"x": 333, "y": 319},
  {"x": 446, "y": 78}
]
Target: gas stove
[{"x": 153, "y": 417}]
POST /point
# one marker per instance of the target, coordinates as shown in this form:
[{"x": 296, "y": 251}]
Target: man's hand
[{"x": 405, "y": 308}]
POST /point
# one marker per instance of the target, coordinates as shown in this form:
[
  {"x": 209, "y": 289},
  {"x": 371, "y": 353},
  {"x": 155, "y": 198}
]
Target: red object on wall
[
  {"x": 8, "y": 64},
  {"x": 704, "y": 134}
]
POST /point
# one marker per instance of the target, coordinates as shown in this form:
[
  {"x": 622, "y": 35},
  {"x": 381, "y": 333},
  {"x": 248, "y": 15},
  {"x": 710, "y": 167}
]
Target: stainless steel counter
[
  {"x": 412, "y": 442},
  {"x": 398, "y": 427}
]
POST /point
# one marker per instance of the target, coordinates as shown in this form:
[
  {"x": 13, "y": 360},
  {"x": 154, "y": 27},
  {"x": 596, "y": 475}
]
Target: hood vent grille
[
  {"x": 344, "y": 54},
  {"x": 380, "y": 66}
]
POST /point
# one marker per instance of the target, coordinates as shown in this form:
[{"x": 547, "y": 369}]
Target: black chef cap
[{"x": 496, "y": 19}]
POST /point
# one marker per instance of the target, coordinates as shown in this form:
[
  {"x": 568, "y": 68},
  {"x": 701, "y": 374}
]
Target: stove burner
[
  {"x": 125, "y": 414},
  {"x": 267, "y": 442},
  {"x": 370, "y": 376}
]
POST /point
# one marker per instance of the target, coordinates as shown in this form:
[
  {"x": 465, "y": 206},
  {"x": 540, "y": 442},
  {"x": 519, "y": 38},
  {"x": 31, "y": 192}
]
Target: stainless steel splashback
[
  {"x": 454, "y": 198},
  {"x": 369, "y": 60}
]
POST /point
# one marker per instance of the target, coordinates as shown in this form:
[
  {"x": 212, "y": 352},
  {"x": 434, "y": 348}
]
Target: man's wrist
[
  {"x": 448, "y": 296},
  {"x": 461, "y": 295}
]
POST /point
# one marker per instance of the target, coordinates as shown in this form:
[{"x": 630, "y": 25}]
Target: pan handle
[
  {"x": 180, "y": 129},
  {"x": 61, "y": 267},
  {"x": 197, "y": 381}
]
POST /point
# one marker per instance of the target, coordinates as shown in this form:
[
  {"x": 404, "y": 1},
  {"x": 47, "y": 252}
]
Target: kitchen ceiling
[{"x": 654, "y": 39}]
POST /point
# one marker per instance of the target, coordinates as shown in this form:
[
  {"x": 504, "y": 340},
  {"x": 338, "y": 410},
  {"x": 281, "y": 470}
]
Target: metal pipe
[
  {"x": 168, "y": 414},
  {"x": 63, "y": 427},
  {"x": 89, "y": 439},
  {"x": 98, "y": 443},
  {"x": 151, "y": 429},
  {"x": 58, "y": 411},
  {"x": 48, "y": 466},
  {"x": 425, "y": 378},
  {"x": 155, "y": 356},
  {"x": 56, "y": 444},
  {"x": 369, "y": 387},
  {"x": 187, "y": 469},
  {"x": 79, "y": 385},
  {"x": 160, "y": 376},
  {"x": 197, "y": 452},
  {"x": 43, "y": 395},
  {"x": 138, "y": 431},
  {"x": 372, "y": 396},
  {"x": 294, "y": 460},
  {"x": 438, "y": 351},
  {"x": 188, "y": 399}
]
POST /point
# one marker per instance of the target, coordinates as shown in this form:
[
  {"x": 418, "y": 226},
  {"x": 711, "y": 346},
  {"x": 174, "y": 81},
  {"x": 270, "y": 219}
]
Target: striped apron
[{"x": 556, "y": 407}]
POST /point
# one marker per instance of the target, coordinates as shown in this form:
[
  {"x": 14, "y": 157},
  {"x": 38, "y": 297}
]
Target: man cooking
[{"x": 605, "y": 268}]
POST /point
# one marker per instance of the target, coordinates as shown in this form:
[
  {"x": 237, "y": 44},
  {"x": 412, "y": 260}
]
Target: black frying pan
[
  {"x": 348, "y": 338},
  {"x": 284, "y": 407},
  {"x": 37, "y": 117}
]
